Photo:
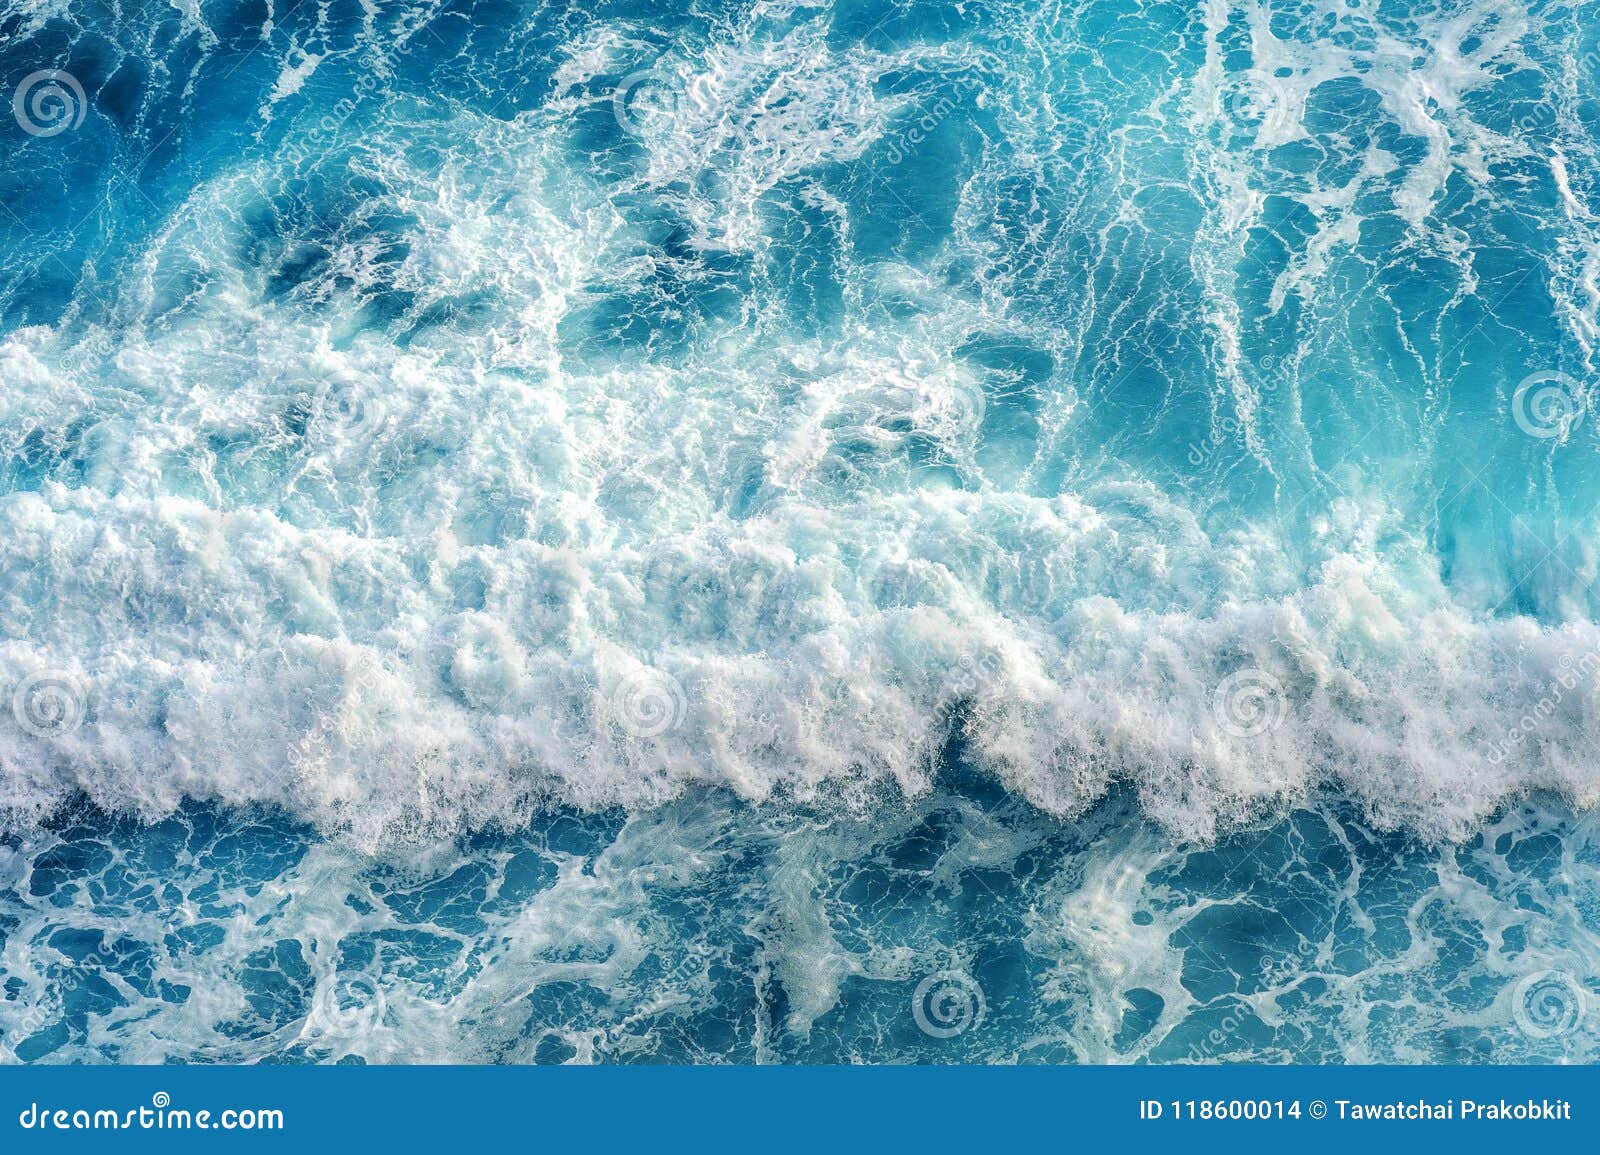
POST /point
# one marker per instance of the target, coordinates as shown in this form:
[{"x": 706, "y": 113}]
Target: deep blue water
[
  {"x": 703, "y": 932},
  {"x": 799, "y": 531}
]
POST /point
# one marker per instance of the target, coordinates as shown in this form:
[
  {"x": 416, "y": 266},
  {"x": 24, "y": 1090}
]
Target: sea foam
[{"x": 770, "y": 412}]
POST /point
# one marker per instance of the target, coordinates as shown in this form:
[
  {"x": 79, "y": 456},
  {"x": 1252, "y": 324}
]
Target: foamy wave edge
[{"x": 215, "y": 686}]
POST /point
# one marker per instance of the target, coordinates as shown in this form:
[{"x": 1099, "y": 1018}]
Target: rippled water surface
[
  {"x": 799, "y": 531},
  {"x": 965, "y": 928}
]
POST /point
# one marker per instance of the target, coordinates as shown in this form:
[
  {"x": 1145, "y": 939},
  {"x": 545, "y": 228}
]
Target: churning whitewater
[
  {"x": 829, "y": 381},
  {"x": 426, "y": 427}
]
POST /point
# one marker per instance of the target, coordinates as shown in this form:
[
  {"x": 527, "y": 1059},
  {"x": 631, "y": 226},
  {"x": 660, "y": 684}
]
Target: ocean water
[{"x": 799, "y": 531}]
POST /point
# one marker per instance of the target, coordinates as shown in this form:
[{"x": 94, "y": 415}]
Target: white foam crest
[
  {"x": 404, "y": 586},
  {"x": 235, "y": 657}
]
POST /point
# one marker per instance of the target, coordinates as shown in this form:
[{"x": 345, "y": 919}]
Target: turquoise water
[
  {"x": 705, "y": 932},
  {"x": 799, "y": 532}
]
